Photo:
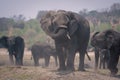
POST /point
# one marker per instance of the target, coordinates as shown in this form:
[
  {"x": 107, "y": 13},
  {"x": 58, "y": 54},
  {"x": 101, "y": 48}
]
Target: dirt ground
[{"x": 29, "y": 72}]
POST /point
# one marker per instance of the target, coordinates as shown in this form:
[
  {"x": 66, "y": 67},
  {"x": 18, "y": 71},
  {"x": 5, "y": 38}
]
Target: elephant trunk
[
  {"x": 56, "y": 32},
  {"x": 59, "y": 34}
]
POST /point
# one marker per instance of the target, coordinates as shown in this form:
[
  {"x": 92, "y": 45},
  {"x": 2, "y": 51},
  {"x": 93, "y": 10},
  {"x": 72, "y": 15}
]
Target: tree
[
  {"x": 40, "y": 14},
  {"x": 6, "y": 23},
  {"x": 19, "y": 21},
  {"x": 115, "y": 10}
]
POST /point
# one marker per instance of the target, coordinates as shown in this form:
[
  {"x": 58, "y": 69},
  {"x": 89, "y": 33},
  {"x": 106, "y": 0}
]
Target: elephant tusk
[{"x": 68, "y": 36}]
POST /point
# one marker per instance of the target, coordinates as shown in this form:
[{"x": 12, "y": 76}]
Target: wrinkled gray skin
[
  {"x": 43, "y": 51},
  {"x": 70, "y": 32},
  {"x": 109, "y": 39},
  {"x": 15, "y": 46}
]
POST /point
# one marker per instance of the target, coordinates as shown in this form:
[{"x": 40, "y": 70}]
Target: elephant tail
[{"x": 88, "y": 56}]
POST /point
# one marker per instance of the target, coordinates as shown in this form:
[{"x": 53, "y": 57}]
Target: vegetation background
[{"x": 31, "y": 31}]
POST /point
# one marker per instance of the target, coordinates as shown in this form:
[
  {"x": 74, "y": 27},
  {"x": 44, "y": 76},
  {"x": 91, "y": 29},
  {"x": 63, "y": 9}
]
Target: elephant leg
[
  {"x": 21, "y": 58},
  {"x": 70, "y": 59},
  {"x": 36, "y": 61},
  {"x": 61, "y": 62},
  {"x": 96, "y": 58},
  {"x": 81, "y": 61},
  {"x": 82, "y": 51},
  {"x": 18, "y": 59},
  {"x": 11, "y": 59},
  {"x": 103, "y": 63},
  {"x": 35, "y": 58},
  {"x": 61, "y": 57},
  {"x": 113, "y": 67},
  {"x": 47, "y": 60},
  {"x": 100, "y": 63},
  {"x": 56, "y": 62}
]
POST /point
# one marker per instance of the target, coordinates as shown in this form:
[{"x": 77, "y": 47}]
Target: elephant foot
[
  {"x": 81, "y": 69},
  {"x": 113, "y": 72},
  {"x": 62, "y": 69},
  {"x": 70, "y": 68},
  {"x": 36, "y": 65},
  {"x": 46, "y": 65}
]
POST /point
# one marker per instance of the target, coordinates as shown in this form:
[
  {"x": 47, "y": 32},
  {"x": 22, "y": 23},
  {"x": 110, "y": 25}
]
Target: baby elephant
[{"x": 43, "y": 51}]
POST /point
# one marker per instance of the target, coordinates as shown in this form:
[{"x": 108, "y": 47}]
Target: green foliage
[
  {"x": 6, "y": 23},
  {"x": 104, "y": 26},
  {"x": 118, "y": 28},
  {"x": 31, "y": 32}
]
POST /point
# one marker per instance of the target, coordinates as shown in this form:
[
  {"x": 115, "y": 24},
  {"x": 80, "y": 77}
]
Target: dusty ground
[{"x": 29, "y": 72}]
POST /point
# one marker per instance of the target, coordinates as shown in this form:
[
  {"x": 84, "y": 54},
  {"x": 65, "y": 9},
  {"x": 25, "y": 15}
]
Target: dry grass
[{"x": 29, "y": 72}]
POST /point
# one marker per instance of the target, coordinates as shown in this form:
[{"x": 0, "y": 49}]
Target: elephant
[
  {"x": 71, "y": 33},
  {"x": 43, "y": 50},
  {"x": 109, "y": 39},
  {"x": 15, "y": 46}
]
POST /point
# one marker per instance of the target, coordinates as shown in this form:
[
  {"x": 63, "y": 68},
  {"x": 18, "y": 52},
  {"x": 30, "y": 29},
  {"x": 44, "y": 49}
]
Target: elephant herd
[{"x": 71, "y": 33}]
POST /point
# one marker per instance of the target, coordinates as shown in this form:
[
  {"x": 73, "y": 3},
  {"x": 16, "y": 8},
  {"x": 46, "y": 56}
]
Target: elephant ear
[
  {"x": 93, "y": 40},
  {"x": 95, "y": 34},
  {"x": 72, "y": 27},
  {"x": 46, "y": 22},
  {"x": 3, "y": 41}
]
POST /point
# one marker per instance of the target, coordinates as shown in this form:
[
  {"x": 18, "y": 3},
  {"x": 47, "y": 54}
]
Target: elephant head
[{"x": 59, "y": 24}]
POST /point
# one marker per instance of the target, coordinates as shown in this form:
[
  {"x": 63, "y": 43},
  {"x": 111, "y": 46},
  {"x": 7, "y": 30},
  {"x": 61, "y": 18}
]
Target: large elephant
[
  {"x": 109, "y": 39},
  {"x": 43, "y": 50},
  {"x": 15, "y": 46},
  {"x": 70, "y": 32}
]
